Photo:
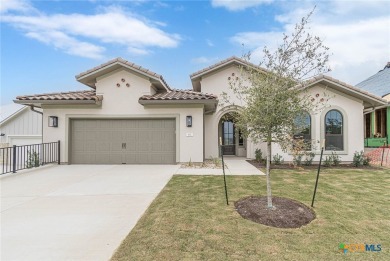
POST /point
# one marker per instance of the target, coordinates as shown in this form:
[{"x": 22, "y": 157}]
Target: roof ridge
[
  {"x": 194, "y": 92},
  {"x": 225, "y": 61},
  {"x": 128, "y": 63},
  {"x": 179, "y": 94}
]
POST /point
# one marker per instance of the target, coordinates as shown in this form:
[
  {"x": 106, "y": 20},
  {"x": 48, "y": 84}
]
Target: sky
[{"x": 44, "y": 44}]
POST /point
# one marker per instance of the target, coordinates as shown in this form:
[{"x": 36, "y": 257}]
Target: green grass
[{"x": 189, "y": 220}]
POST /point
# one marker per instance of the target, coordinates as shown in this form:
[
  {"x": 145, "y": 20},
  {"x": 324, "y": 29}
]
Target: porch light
[
  {"x": 53, "y": 121},
  {"x": 189, "y": 121}
]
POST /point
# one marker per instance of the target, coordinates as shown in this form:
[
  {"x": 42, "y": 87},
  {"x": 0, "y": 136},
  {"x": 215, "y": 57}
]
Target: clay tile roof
[
  {"x": 127, "y": 63},
  {"x": 179, "y": 95},
  {"x": 70, "y": 96},
  {"x": 346, "y": 85}
]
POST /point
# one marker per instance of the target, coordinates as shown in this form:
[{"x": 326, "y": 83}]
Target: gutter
[
  {"x": 34, "y": 110},
  {"x": 56, "y": 102},
  {"x": 145, "y": 102}
]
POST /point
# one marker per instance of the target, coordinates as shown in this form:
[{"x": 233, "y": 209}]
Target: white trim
[
  {"x": 13, "y": 115},
  {"x": 13, "y": 137}
]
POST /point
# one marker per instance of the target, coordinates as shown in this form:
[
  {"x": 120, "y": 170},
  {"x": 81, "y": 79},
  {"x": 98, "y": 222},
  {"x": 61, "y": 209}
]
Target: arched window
[
  {"x": 303, "y": 123},
  {"x": 334, "y": 133}
]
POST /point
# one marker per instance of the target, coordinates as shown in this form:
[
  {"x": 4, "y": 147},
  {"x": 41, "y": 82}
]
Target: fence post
[
  {"x": 59, "y": 153},
  {"x": 43, "y": 153},
  {"x": 14, "y": 159}
]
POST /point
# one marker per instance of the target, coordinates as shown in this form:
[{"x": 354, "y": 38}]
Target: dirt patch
[
  {"x": 287, "y": 213},
  {"x": 215, "y": 163}
]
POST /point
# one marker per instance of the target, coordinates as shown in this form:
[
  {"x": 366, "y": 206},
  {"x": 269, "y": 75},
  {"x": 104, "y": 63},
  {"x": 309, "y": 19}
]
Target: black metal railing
[{"x": 29, "y": 156}]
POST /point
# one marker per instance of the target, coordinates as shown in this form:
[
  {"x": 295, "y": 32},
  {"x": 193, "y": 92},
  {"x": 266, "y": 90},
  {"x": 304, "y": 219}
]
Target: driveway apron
[{"x": 75, "y": 212}]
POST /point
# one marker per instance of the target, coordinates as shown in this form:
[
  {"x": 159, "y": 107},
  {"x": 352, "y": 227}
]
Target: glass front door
[{"x": 229, "y": 147}]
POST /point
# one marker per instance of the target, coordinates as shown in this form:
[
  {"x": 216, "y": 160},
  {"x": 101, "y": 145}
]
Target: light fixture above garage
[
  {"x": 189, "y": 121},
  {"x": 53, "y": 121}
]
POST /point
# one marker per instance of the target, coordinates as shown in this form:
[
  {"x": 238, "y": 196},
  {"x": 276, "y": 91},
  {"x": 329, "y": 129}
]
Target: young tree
[{"x": 273, "y": 94}]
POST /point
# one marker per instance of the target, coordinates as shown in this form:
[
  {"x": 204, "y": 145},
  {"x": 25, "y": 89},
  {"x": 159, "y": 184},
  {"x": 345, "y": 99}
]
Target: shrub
[
  {"x": 335, "y": 159},
  {"x": 297, "y": 159},
  {"x": 327, "y": 161},
  {"x": 189, "y": 164},
  {"x": 277, "y": 159},
  {"x": 259, "y": 155},
  {"x": 359, "y": 159},
  {"x": 309, "y": 158},
  {"x": 366, "y": 161},
  {"x": 32, "y": 159},
  {"x": 216, "y": 161}
]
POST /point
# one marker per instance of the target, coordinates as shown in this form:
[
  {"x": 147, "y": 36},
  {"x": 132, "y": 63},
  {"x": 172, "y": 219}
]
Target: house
[
  {"x": 19, "y": 125},
  {"x": 377, "y": 119},
  {"x": 131, "y": 115}
]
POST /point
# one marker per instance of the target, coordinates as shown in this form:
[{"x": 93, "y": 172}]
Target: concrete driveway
[{"x": 75, "y": 212}]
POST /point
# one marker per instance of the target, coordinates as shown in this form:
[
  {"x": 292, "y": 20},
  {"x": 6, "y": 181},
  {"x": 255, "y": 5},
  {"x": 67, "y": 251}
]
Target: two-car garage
[{"x": 123, "y": 141}]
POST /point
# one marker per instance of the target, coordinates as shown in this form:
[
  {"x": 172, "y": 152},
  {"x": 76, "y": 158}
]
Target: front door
[{"x": 228, "y": 138}]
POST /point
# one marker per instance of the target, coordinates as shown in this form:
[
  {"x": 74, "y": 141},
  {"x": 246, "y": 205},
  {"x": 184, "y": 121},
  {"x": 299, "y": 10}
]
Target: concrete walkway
[
  {"x": 75, "y": 212},
  {"x": 239, "y": 166},
  {"x": 235, "y": 166}
]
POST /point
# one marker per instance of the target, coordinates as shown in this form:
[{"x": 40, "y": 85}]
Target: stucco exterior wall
[
  {"x": 350, "y": 107},
  {"x": 217, "y": 83},
  {"x": 122, "y": 102},
  {"x": 353, "y": 128}
]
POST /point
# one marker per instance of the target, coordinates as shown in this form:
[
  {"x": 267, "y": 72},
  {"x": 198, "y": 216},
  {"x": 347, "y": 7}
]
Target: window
[
  {"x": 334, "y": 136},
  {"x": 303, "y": 123}
]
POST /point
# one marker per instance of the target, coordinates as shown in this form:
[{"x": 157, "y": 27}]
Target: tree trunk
[{"x": 269, "y": 194}]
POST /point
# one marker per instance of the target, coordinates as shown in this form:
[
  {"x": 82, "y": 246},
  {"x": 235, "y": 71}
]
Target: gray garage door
[{"x": 135, "y": 141}]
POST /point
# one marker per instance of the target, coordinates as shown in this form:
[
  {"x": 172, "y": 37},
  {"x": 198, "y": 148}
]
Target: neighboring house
[
  {"x": 19, "y": 125},
  {"x": 377, "y": 119},
  {"x": 131, "y": 115}
]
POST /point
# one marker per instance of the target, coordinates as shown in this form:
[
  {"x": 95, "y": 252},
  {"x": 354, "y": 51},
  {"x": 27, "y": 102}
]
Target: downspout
[{"x": 34, "y": 110}]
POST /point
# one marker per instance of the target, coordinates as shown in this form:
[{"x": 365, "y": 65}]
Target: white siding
[{"x": 25, "y": 123}]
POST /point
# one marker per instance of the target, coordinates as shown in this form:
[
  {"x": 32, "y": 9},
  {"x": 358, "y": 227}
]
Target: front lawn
[{"x": 189, "y": 220}]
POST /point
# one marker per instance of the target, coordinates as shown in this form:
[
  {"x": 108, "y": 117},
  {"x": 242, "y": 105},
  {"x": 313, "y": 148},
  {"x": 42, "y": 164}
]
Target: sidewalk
[{"x": 234, "y": 166}]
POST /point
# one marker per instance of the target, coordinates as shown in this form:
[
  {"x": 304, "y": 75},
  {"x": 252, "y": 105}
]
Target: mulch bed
[
  {"x": 314, "y": 166},
  {"x": 287, "y": 213}
]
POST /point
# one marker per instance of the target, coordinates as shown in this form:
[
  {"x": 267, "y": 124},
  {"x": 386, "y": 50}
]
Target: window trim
[{"x": 335, "y": 134}]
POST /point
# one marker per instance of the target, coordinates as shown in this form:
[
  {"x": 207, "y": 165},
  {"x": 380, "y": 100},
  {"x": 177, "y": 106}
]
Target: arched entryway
[{"x": 232, "y": 138}]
